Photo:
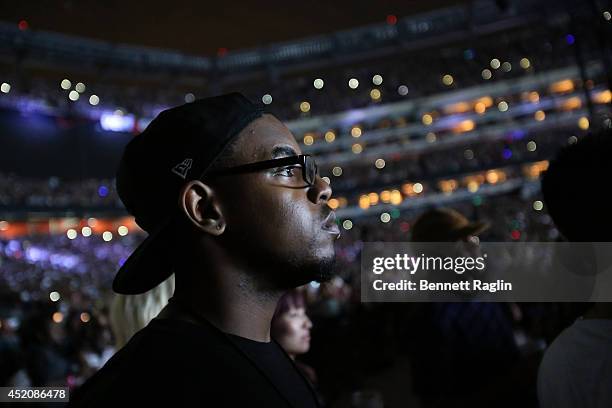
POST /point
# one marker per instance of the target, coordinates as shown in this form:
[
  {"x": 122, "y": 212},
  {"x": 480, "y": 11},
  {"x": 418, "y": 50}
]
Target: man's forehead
[
  {"x": 268, "y": 138},
  {"x": 276, "y": 150}
]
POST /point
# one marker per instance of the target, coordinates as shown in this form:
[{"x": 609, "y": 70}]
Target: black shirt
[
  {"x": 181, "y": 364},
  {"x": 278, "y": 367}
]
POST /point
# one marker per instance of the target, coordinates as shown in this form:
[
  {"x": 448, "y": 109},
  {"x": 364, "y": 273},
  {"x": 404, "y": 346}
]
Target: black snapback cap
[{"x": 179, "y": 145}]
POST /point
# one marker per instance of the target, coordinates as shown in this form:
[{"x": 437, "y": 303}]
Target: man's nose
[{"x": 320, "y": 191}]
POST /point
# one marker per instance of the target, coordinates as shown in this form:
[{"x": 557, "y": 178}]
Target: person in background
[
  {"x": 576, "y": 370},
  {"x": 291, "y": 329},
  {"x": 46, "y": 361},
  {"x": 92, "y": 342},
  {"x": 460, "y": 348},
  {"x": 130, "y": 313}
]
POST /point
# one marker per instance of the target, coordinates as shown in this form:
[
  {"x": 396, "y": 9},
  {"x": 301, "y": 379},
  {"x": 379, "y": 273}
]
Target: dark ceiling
[{"x": 203, "y": 27}]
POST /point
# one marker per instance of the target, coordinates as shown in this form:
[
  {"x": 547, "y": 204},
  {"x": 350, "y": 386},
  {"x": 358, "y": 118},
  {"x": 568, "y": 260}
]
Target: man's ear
[{"x": 199, "y": 204}]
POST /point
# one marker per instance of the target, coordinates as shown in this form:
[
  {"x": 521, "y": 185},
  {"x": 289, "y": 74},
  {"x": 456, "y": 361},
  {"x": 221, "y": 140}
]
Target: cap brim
[
  {"x": 473, "y": 228},
  {"x": 149, "y": 265}
]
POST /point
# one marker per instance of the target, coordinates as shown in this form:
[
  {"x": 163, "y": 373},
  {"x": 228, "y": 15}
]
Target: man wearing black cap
[
  {"x": 462, "y": 349},
  {"x": 235, "y": 210}
]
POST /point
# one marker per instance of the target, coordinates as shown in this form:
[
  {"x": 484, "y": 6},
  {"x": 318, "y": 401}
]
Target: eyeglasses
[{"x": 306, "y": 162}]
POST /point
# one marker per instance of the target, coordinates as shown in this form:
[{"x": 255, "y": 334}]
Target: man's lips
[{"x": 329, "y": 224}]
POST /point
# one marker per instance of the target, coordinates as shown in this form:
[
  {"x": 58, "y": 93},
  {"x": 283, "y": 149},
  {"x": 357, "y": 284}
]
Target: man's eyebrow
[{"x": 283, "y": 151}]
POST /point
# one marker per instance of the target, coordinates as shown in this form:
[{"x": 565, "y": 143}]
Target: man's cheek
[{"x": 308, "y": 222}]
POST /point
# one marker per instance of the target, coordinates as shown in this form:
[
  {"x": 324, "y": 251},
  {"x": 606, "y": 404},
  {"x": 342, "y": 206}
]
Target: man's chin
[
  {"x": 320, "y": 271},
  {"x": 326, "y": 270}
]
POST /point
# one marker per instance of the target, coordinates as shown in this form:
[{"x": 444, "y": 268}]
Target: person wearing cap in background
[
  {"x": 240, "y": 216},
  {"x": 446, "y": 225},
  {"x": 461, "y": 350}
]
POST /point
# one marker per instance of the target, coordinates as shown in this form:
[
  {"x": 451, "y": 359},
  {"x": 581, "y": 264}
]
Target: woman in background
[
  {"x": 291, "y": 329},
  {"x": 130, "y": 313}
]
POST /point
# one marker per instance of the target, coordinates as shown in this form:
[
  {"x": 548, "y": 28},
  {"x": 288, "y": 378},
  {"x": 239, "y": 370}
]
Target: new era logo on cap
[{"x": 182, "y": 168}]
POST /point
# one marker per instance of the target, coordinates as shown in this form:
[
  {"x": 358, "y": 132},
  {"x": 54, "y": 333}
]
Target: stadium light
[{"x": 117, "y": 123}]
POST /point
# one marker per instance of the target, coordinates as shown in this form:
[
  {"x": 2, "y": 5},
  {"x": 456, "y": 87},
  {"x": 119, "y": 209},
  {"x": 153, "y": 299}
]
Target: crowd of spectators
[
  {"x": 428, "y": 167},
  {"x": 402, "y": 76},
  {"x": 18, "y": 192}
]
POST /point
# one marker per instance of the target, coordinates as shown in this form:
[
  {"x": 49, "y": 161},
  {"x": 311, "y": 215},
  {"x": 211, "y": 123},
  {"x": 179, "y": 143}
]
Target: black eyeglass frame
[{"x": 304, "y": 160}]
